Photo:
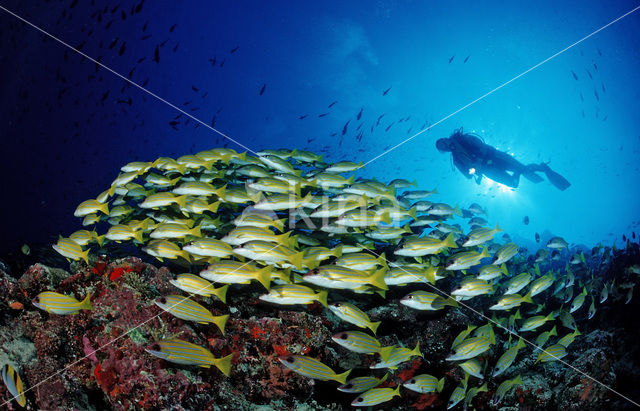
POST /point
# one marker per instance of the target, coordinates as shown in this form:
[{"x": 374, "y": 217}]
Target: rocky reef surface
[{"x": 96, "y": 360}]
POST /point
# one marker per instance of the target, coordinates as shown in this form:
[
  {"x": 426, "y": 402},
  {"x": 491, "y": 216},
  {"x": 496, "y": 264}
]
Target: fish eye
[
  {"x": 348, "y": 385},
  {"x": 162, "y": 300},
  {"x": 412, "y": 381},
  {"x": 344, "y": 336},
  {"x": 409, "y": 297},
  {"x": 290, "y": 359},
  {"x": 315, "y": 271},
  {"x": 155, "y": 347},
  {"x": 359, "y": 399},
  {"x": 337, "y": 305}
]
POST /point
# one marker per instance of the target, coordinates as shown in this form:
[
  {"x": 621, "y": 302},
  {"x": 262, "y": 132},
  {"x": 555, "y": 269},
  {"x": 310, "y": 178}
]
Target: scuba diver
[{"x": 475, "y": 158}]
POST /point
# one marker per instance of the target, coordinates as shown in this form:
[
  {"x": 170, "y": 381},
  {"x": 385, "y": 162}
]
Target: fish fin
[
  {"x": 181, "y": 200},
  {"x": 221, "y": 293},
  {"x": 321, "y": 297},
  {"x": 377, "y": 279},
  {"x": 264, "y": 277},
  {"x": 224, "y": 364},
  {"x": 553, "y": 331},
  {"x": 440, "y": 385},
  {"x": 137, "y": 235},
  {"x": 416, "y": 350},
  {"x": 450, "y": 242},
  {"x": 296, "y": 259},
  {"x": 221, "y": 322},
  {"x": 385, "y": 352},
  {"x": 342, "y": 378},
  {"x": 86, "y": 303},
  {"x": 373, "y": 326}
]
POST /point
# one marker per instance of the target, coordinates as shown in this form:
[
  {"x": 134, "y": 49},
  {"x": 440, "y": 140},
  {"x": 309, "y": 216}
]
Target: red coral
[
  {"x": 257, "y": 333},
  {"x": 281, "y": 350},
  {"x": 410, "y": 372},
  {"x": 116, "y": 273},
  {"x": 99, "y": 267},
  {"x": 425, "y": 401}
]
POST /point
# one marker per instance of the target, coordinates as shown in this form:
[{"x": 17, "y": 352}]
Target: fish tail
[
  {"x": 385, "y": 352},
  {"x": 416, "y": 350},
  {"x": 137, "y": 235},
  {"x": 221, "y": 293},
  {"x": 104, "y": 208},
  {"x": 377, "y": 279},
  {"x": 440, "y": 385},
  {"x": 497, "y": 229},
  {"x": 553, "y": 331},
  {"x": 100, "y": 240},
  {"x": 279, "y": 224},
  {"x": 450, "y": 242},
  {"x": 86, "y": 303},
  {"x": 220, "y": 192},
  {"x": 342, "y": 378},
  {"x": 223, "y": 364},
  {"x": 181, "y": 200},
  {"x": 337, "y": 252},
  {"x": 451, "y": 301},
  {"x": 456, "y": 210},
  {"x": 242, "y": 156},
  {"x": 195, "y": 231},
  {"x": 527, "y": 298},
  {"x": 321, "y": 297},
  {"x": 504, "y": 270},
  {"x": 85, "y": 256},
  {"x": 209, "y": 164},
  {"x": 174, "y": 181},
  {"x": 264, "y": 277},
  {"x": 213, "y": 207},
  {"x": 296, "y": 259},
  {"x": 373, "y": 326},
  {"x": 385, "y": 218},
  {"x": 382, "y": 260},
  {"x": 220, "y": 321}
]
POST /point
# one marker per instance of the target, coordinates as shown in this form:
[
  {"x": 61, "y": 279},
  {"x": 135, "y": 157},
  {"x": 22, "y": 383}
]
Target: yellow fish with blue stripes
[
  {"x": 56, "y": 303},
  {"x": 312, "y": 368},
  {"x": 186, "y": 353}
]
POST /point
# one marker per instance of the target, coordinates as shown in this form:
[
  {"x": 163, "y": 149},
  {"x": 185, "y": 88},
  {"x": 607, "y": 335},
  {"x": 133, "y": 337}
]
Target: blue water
[{"x": 64, "y": 139}]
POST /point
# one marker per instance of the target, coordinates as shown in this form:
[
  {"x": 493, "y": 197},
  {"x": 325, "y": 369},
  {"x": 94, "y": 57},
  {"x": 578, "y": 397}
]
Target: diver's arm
[{"x": 463, "y": 164}]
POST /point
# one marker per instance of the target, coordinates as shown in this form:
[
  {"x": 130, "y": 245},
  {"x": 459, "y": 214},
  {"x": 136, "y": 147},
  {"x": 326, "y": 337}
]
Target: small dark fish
[
  {"x": 194, "y": 88},
  {"x": 466, "y": 59},
  {"x": 163, "y": 43},
  {"x": 595, "y": 66},
  {"x": 122, "y": 48},
  {"x": 526, "y": 220},
  {"x": 302, "y": 117},
  {"x": 604, "y": 90},
  {"x": 139, "y": 7},
  {"x": 175, "y": 48},
  {"x": 222, "y": 62},
  {"x": 624, "y": 238},
  {"x": 451, "y": 59},
  {"x": 595, "y": 92},
  {"x": 144, "y": 27},
  {"x": 113, "y": 43},
  {"x": 172, "y": 28},
  {"x": 264, "y": 87},
  {"x": 590, "y": 76},
  {"x": 599, "y": 52},
  {"x": 233, "y": 50},
  {"x": 384, "y": 93},
  {"x": 537, "y": 238},
  {"x": 213, "y": 61},
  {"x": 332, "y": 104},
  {"x": 575, "y": 76},
  {"x": 323, "y": 114},
  {"x": 379, "y": 118},
  {"x": 213, "y": 121},
  {"x": 581, "y": 97},
  {"x": 141, "y": 59},
  {"x": 104, "y": 96},
  {"x": 344, "y": 129},
  {"x": 156, "y": 54},
  {"x": 146, "y": 36},
  {"x": 359, "y": 116},
  {"x": 389, "y": 126}
]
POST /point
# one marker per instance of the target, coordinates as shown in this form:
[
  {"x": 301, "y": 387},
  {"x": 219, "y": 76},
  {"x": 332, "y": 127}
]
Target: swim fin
[
  {"x": 530, "y": 173},
  {"x": 556, "y": 179}
]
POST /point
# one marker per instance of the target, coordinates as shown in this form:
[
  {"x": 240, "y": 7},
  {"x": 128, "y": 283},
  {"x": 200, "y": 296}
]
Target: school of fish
[{"x": 303, "y": 228}]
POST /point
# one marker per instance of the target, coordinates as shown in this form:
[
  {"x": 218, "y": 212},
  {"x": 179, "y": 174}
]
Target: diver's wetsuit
[{"x": 475, "y": 158}]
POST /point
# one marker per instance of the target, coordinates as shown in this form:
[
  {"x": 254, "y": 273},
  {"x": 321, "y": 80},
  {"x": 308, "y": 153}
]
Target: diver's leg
[
  {"x": 502, "y": 176},
  {"x": 554, "y": 178}
]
